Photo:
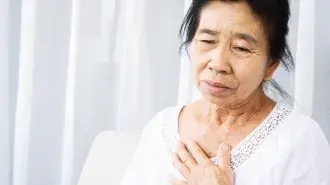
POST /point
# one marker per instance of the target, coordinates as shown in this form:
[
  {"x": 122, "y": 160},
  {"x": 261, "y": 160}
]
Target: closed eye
[
  {"x": 241, "y": 49},
  {"x": 208, "y": 41}
]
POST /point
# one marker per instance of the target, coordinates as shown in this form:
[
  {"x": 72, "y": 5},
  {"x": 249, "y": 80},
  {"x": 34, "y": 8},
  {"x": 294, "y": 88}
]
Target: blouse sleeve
[
  {"x": 143, "y": 167},
  {"x": 311, "y": 159}
]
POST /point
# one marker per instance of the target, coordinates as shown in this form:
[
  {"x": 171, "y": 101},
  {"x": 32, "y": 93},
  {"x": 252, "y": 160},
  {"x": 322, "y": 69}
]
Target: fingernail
[{"x": 225, "y": 147}]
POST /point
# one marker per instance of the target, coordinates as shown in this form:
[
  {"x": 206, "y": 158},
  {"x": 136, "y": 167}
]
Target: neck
[{"x": 240, "y": 113}]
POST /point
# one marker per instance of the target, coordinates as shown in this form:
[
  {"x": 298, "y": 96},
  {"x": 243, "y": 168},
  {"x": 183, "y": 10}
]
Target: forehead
[{"x": 230, "y": 16}]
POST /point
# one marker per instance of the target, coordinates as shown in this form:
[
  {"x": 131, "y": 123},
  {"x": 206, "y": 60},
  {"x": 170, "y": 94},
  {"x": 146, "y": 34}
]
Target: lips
[
  {"x": 215, "y": 84},
  {"x": 215, "y": 87}
]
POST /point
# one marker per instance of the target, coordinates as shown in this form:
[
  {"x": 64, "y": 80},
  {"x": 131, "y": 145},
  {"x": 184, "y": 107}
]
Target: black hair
[{"x": 274, "y": 15}]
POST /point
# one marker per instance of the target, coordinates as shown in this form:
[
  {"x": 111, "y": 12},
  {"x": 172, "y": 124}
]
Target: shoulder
[
  {"x": 311, "y": 132},
  {"x": 303, "y": 127},
  {"x": 307, "y": 149},
  {"x": 168, "y": 115},
  {"x": 159, "y": 127},
  {"x": 305, "y": 137},
  {"x": 300, "y": 134}
]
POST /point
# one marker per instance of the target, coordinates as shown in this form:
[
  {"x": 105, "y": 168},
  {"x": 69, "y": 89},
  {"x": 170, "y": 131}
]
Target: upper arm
[
  {"x": 144, "y": 166},
  {"x": 136, "y": 171},
  {"x": 310, "y": 163}
]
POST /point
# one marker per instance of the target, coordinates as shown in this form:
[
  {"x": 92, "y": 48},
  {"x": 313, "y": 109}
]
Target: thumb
[{"x": 223, "y": 156}]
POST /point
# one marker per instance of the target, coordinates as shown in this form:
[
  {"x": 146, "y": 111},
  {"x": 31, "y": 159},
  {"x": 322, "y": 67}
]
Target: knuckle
[
  {"x": 224, "y": 159},
  {"x": 184, "y": 155},
  {"x": 207, "y": 163},
  {"x": 224, "y": 154},
  {"x": 181, "y": 153},
  {"x": 199, "y": 150},
  {"x": 177, "y": 164},
  {"x": 181, "y": 168}
]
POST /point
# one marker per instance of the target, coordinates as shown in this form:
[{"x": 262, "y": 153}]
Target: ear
[{"x": 271, "y": 68}]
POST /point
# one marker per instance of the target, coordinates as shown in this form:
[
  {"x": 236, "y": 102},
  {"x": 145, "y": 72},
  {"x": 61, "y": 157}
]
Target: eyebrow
[
  {"x": 208, "y": 31},
  {"x": 246, "y": 37},
  {"x": 239, "y": 35}
]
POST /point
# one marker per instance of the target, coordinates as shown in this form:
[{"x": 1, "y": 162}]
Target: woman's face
[{"x": 229, "y": 53}]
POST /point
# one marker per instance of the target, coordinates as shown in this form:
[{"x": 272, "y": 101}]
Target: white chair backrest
[{"x": 108, "y": 158}]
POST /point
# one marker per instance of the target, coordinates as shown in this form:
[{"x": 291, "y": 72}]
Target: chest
[{"x": 210, "y": 137}]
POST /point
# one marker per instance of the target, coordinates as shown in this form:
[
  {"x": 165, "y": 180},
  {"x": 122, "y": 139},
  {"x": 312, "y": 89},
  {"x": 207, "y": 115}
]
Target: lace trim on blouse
[{"x": 244, "y": 150}]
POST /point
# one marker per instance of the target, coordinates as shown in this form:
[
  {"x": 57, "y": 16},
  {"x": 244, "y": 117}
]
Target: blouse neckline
[{"x": 244, "y": 150}]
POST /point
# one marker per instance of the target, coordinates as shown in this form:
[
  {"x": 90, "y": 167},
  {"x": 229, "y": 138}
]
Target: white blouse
[{"x": 287, "y": 148}]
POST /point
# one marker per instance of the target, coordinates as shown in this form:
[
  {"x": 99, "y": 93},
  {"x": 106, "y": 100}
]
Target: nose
[{"x": 219, "y": 61}]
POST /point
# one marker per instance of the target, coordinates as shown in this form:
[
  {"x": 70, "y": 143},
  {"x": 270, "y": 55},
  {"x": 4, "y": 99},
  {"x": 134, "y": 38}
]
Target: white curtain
[{"x": 72, "y": 68}]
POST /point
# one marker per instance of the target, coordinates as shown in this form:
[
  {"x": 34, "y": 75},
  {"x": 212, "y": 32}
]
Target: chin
[{"x": 217, "y": 100}]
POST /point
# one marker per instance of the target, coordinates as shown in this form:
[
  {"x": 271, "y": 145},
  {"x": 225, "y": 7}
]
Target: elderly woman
[{"x": 235, "y": 134}]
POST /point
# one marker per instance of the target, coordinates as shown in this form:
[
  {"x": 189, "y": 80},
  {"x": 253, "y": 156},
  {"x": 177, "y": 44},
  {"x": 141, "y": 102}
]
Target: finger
[
  {"x": 223, "y": 156},
  {"x": 185, "y": 156},
  {"x": 184, "y": 171},
  {"x": 178, "y": 182},
  {"x": 198, "y": 153}
]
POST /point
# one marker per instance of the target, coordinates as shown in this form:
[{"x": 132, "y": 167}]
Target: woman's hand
[{"x": 198, "y": 169}]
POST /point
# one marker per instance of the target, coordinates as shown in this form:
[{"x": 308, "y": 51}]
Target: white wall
[
  {"x": 321, "y": 101},
  {"x": 312, "y": 88}
]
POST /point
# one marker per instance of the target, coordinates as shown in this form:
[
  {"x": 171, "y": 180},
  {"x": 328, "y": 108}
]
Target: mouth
[{"x": 215, "y": 87}]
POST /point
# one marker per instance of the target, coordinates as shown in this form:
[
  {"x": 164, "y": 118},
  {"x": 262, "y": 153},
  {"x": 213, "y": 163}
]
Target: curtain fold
[
  {"x": 5, "y": 137},
  {"x": 24, "y": 94},
  {"x": 84, "y": 66},
  {"x": 304, "y": 79}
]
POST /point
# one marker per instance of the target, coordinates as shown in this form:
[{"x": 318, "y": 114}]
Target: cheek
[
  {"x": 198, "y": 66},
  {"x": 249, "y": 75}
]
